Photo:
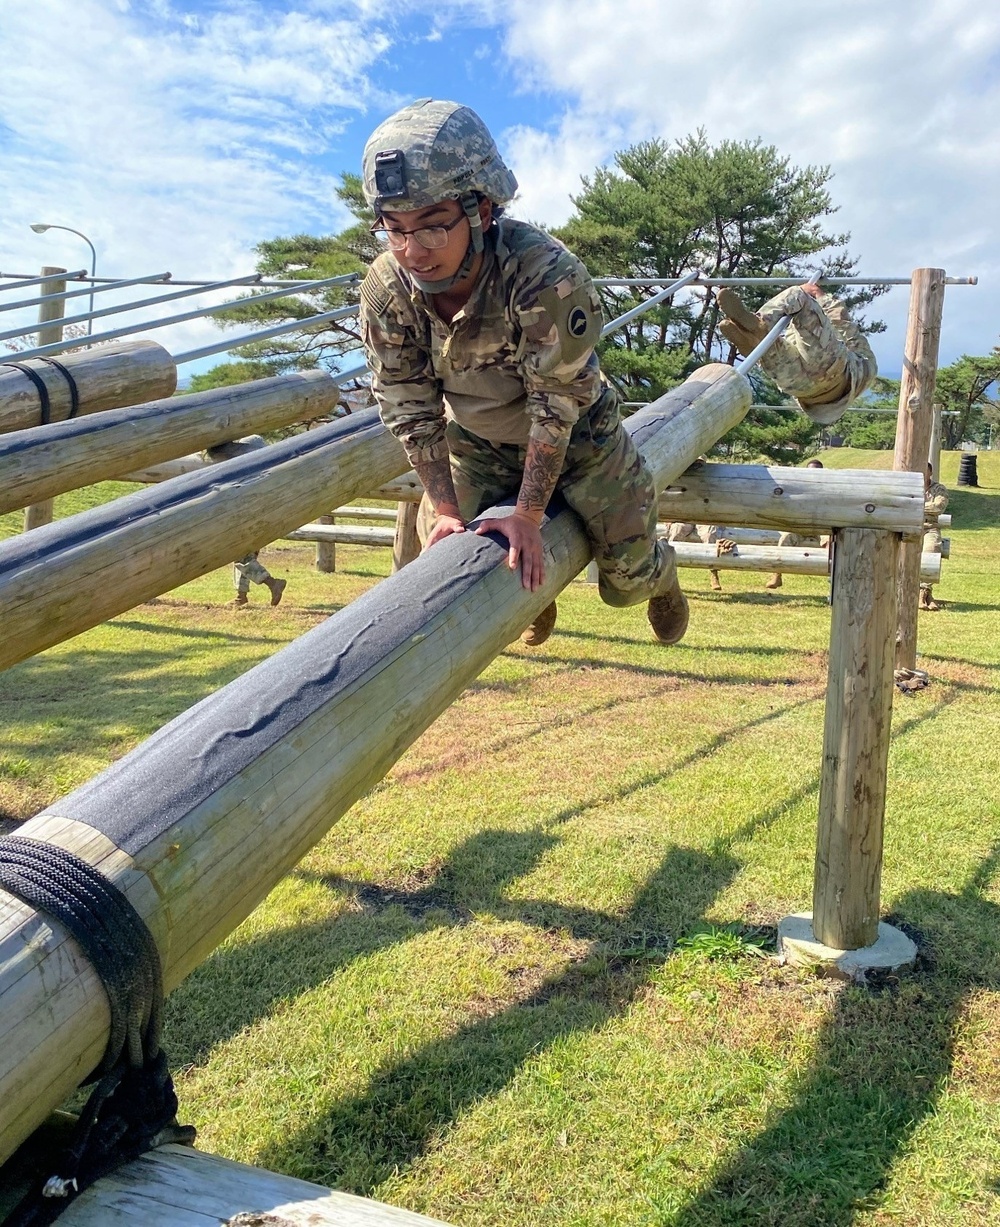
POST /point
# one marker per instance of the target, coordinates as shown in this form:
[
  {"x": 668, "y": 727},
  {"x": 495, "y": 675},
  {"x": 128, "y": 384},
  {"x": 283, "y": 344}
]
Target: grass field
[{"x": 527, "y": 979}]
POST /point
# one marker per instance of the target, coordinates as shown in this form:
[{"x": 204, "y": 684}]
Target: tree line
[{"x": 736, "y": 209}]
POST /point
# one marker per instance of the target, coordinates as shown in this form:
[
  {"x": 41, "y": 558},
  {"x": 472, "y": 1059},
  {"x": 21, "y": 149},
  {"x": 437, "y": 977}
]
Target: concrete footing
[{"x": 797, "y": 944}]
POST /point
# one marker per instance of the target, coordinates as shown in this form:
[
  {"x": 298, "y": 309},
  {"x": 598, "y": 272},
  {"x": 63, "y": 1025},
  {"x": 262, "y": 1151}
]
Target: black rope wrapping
[
  {"x": 74, "y": 391},
  {"x": 133, "y": 1107},
  {"x": 42, "y": 390}
]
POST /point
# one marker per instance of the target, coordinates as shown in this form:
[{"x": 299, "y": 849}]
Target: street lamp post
[{"x": 41, "y": 227}]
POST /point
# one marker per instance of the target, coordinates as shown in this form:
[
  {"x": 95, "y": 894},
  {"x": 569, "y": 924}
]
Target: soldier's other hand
[
  {"x": 444, "y": 526},
  {"x": 725, "y": 545},
  {"x": 524, "y": 539},
  {"x": 812, "y": 289}
]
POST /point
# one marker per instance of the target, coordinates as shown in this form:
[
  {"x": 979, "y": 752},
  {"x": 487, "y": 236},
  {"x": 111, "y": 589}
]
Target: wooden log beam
[
  {"x": 914, "y": 426},
  {"x": 199, "y": 822},
  {"x": 179, "y": 1186},
  {"x": 406, "y": 543},
  {"x": 48, "y": 460},
  {"x": 78, "y": 572},
  {"x": 790, "y": 560},
  {"x": 806, "y": 501},
  {"x": 153, "y": 474},
  {"x": 106, "y": 377},
  {"x": 856, "y": 739}
]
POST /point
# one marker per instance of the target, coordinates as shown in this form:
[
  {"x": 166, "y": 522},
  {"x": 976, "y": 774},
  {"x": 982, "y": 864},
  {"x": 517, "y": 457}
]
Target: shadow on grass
[
  {"x": 674, "y": 670},
  {"x": 883, "y": 1059},
  {"x": 972, "y": 511}
]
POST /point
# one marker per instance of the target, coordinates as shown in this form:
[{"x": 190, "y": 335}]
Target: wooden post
[
  {"x": 326, "y": 551},
  {"x": 855, "y": 739},
  {"x": 913, "y": 432},
  {"x": 41, "y": 513},
  {"x": 406, "y": 544}
]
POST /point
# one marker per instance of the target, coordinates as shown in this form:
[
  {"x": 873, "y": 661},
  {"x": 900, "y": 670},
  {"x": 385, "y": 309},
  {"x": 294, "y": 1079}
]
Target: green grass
[{"x": 519, "y": 984}]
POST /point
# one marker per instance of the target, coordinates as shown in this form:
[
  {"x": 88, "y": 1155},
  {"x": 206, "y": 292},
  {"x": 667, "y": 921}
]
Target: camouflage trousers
[
  {"x": 248, "y": 570},
  {"x": 604, "y": 480},
  {"x": 823, "y": 359}
]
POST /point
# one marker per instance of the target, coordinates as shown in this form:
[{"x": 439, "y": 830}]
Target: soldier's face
[{"x": 431, "y": 264}]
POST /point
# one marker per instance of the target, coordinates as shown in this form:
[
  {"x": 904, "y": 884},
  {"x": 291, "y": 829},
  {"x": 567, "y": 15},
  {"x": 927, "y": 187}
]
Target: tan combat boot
[
  {"x": 541, "y": 628},
  {"x": 276, "y": 587},
  {"x": 715, "y": 581},
  {"x": 774, "y": 581},
  {"x": 240, "y": 598},
  {"x": 741, "y": 327},
  {"x": 668, "y": 615}
]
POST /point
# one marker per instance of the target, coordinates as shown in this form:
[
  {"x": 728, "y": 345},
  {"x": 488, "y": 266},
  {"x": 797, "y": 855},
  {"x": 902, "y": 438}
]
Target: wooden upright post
[
  {"x": 326, "y": 551},
  {"x": 913, "y": 432},
  {"x": 406, "y": 546},
  {"x": 855, "y": 738},
  {"x": 41, "y": 513}
]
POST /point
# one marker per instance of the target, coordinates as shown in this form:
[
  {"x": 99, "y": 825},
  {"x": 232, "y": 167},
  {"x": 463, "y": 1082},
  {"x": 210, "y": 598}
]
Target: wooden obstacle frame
[{"x": 289, "y": 772}]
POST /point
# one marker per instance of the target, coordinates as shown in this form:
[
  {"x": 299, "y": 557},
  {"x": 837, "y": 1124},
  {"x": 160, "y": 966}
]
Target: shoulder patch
[
  {"x": 576, "y": 316},
  {"x": 374, "y": 294}
]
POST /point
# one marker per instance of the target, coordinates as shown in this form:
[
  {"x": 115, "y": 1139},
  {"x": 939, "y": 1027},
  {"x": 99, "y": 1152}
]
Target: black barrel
[{"x": 967, "y": 475}]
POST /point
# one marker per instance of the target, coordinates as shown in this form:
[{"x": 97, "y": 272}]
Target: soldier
[
  {"x": 480, "y": 333},
  {"x": 706, "y": 534},
  {"x": 822, "y": 359},
  {"x": 774, "y": 581},
  {"x": 935, "y": 502},
  {"x": 248, "y": 569}
]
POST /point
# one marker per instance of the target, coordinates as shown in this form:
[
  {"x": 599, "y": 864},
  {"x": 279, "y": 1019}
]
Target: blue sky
[{"x": 177, "y": 133}]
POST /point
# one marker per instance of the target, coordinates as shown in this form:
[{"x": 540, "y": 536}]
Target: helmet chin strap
[{"x": 470, "y": 206}]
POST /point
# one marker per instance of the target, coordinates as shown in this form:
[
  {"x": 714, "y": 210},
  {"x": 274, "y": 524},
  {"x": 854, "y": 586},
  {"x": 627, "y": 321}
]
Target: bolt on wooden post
[
  {"x": 914, "y": 426},
  {"x": 41, "y": 513}
]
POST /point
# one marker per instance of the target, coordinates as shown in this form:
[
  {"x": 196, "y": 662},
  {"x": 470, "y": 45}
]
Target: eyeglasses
[{"x": 431, "y": 237}]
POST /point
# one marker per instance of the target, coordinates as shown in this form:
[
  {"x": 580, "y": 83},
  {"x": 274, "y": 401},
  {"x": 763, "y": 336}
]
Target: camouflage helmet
[{"x": 431, "y": 151}]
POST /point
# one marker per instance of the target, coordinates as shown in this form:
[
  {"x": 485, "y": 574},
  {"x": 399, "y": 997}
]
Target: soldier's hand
[
  {"x": 444, "y": 526},
  {"x": 724, "y": 545},
  {"x": 524, "y": 538}
]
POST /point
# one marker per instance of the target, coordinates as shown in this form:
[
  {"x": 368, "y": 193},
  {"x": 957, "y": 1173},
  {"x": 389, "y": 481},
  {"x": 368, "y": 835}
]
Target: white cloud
[
  {"x": 901, "y": 99},
  {"x": 174, "y": 140}
]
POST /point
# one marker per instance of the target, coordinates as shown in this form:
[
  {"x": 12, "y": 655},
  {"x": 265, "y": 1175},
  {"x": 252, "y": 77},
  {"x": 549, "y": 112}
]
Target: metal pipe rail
[
  {"x": 157, "y": 279},
  {"x": 83, "y": 275},
  {"x": 24, "y": 280},
  {"x": 650, "y": 302},
  {"x": 737, "y": 281},
  {"x": 221, "y": 347},
  {"x": 42, "y": 350}
]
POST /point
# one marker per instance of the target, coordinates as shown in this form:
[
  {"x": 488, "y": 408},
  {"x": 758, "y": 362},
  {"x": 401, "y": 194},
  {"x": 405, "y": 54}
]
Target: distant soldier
[
  {"x": 935, "y": 503},
  {"x": 706, "y": 534},
  {"x": 822, "y": 359},
  {"x": 791, "y": 539},
  {"x": 248, "y": 569},
  {"x": 480, "y": 334}
]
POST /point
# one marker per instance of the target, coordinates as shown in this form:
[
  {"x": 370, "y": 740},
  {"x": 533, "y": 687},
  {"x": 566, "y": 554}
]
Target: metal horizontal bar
[
  {"x": 760, "y": 350},
  {"x": 650, "y": 302},
  {"x": 87, "y": 289},
  {"x": 25, "y": 280},
  {"x": 780, "y": 280},
  {"x": 82, "y": 275},
  {"x": 122, "y": 309},
  {"x": 166, "y": 321},
  {"x": 221, "y": 347}
]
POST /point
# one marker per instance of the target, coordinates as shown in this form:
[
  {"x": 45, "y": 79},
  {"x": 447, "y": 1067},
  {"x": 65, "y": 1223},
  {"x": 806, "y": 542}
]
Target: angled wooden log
[
  {"x": 198, "y": 823},
  {"x": 106, "y": 377},
  {"x": 71, "y": 575},
  {"x": 49, "y": 460}
]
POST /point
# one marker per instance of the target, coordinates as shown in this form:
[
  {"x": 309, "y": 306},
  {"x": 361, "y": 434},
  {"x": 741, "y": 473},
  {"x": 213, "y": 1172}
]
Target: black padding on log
[
  {"x": 44, "y": 406},
  {"x": 50, "y": 540},
  {"x": 74, "y": 391},
  {"x": 193, "y": 756}
]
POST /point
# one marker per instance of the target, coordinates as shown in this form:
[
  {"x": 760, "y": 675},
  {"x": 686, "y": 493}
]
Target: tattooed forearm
[
  {"x": 436, "y": 477},
  {"x": 542, "y": 466}
]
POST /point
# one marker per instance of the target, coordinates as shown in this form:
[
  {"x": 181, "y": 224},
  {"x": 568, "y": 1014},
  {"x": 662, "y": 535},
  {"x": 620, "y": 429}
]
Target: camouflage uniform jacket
[
  {"x": 516, "y": 362},
  {"x": 935, "y": 502}
]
